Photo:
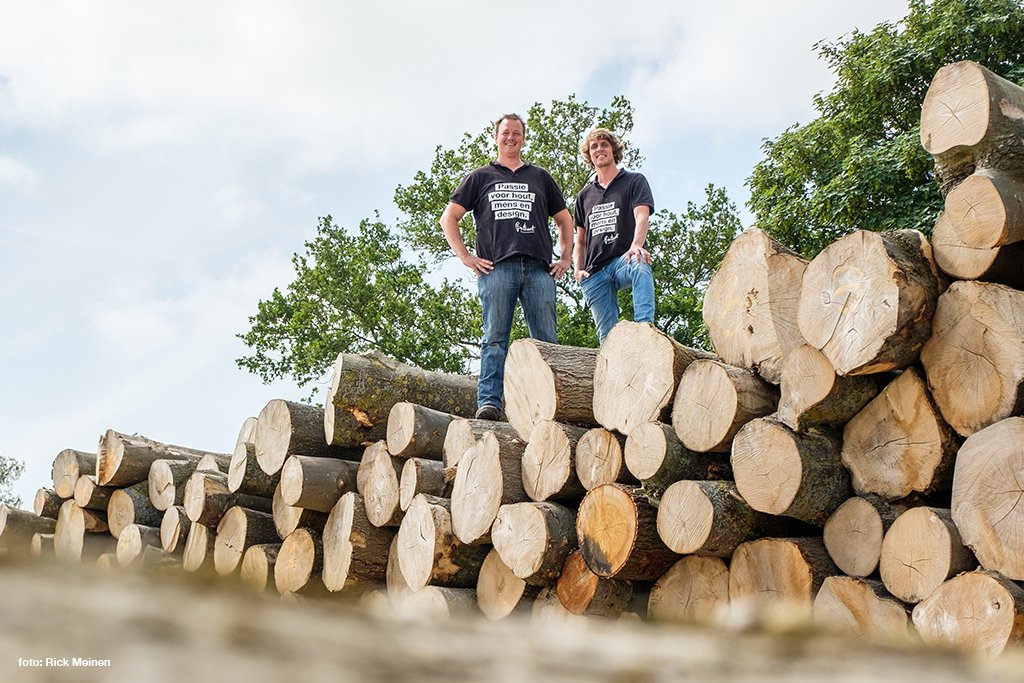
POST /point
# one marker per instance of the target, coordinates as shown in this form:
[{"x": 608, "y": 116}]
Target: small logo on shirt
[{"x": 524, "y": 228}]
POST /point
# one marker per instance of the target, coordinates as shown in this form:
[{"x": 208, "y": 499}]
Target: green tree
[
  {"x": 860, "y": 164},
  {"x": 10, "y": 470}
]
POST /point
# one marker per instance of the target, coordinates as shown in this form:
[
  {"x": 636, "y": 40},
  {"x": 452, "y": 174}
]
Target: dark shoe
[{"x": 488, "y": 413}]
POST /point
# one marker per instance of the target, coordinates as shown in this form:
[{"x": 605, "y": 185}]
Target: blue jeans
[
  {"x": 601, "y": 291},
  {"x": 517, "y": 278}
]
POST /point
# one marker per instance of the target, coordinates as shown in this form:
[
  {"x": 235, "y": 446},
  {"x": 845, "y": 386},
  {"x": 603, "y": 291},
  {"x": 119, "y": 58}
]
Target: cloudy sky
[{"x": 161, "y": 162}]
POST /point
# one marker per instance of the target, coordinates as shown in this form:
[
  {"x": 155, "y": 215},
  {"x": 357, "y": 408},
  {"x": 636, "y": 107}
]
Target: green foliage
[
  {"x": 10, "y": 470},
  {"x": 860, "y": 164}
]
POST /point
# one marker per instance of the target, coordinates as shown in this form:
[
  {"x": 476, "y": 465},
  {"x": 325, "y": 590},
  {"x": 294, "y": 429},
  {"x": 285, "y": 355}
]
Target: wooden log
[
  {"x": 89, "y": 495},
  {"x": 68, "y": 466},
  {"x": 962, "y": 261},
  {"x": 920, "y": 551},
  {"x": 440, "y": 603},
  {"x": 582, "y": 592},
  {"x": 636, "y": 373},
  {"x": 656, "y": 457},
  {"x": 316, "y": 483},
  {"x": 860, "y": 607},
  {"x": 694, "y": 589},
  {"x": 239, "y": 529},
  {"x": 987, "y": 209},
  {"x": 207, "y": 498},
  {"x": 488, "y": 476},
  {"x": 159, "y": 560},
  {"x": 714, "y": 400},
  {"x": 599, "y": 459},
  {"x": 122, "y": 459},
  {"x": 415, "y": 431},
  {"x": 549, "y": 463},
  {"x": 813, "y": 395},
  {"x": 174, "y": 528},
  {"x": 131, "y": 505},
  {"x": 167, "y": 482},
  {"x": 428, "y": 550},
  {"x": 499, "y": 592},
  {"x": 41, "y": 546},
  {"x": 377, "y": 481},
  {"x": 534, "y": 538},
  {"x": 972, "y": 118},
  {"x": 768, "y": 571},
  {"x": 299, "y": 564},
  {"x": 365, "y": 387},
  {"x": 899, "y": 445},
  {"x": 548, "y": 382},
  {"x": 355, "y": 550},
  {"x": 286, "y": 428},
  {"x": 247, "y": 433},
  {"x": 547, "y": 611},
  {"x": 617, "y": 530},
  {"x": 853, "y": 533},
  {"x": 79, "y": 534},
  {"x": 288, "y": 518},
  {"x": 980, "y": 613},
  {"x": 975, "y": 358},
  {"x": 394, "y": 580},
  {"x": 18, "y": 526},
  {"x": 46, "y": 503},
  {"x": 246, "y": 476},
  {"x": 198, "y": 553},
  {"x": 711, "y": 518},
  {"x": 867, "y": 300},
  {"x": 106, "y": 562},
  {"x": 420, "y": 475},
  {"x": 133, "y": 541},
  {"x": 750, "y": 305},
  {"x": 781, "y": 472},
  {"x": 257, "y": 568},
  {"x": 463, "y": 434},
  {"x": 986, "y": 502}
]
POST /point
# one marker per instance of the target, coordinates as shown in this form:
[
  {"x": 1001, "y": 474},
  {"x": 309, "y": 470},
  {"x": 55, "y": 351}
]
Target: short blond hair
[{"x": 602, "y": 134}]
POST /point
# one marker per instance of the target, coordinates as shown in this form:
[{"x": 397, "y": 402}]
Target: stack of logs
[{"x": 851, "y": 448}]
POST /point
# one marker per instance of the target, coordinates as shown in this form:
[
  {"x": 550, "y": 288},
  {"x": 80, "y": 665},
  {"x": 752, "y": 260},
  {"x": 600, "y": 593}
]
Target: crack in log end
[{"x": 595, "y": 557}]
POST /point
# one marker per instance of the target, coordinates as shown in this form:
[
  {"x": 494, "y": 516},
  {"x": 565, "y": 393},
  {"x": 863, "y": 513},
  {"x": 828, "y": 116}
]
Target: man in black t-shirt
[
  {"x": 511, "y": 202},
  {"x": 611, "y": 219}
]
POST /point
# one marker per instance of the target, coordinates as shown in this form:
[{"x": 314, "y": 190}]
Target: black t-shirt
[
  {"x": 606, "y": 213},
  {"x": 511, "y": 210}
]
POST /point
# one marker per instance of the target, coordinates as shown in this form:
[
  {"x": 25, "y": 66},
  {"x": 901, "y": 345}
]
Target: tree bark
[
  {"x": 463, "y": 434},
  {"x": 636, "y": 374},
  {"x": 299, "y": 564},
  {"x": 694, "y": 589},
  {"x": 288, "y": 518},
  {"x": 285, "y": 428},
  {"x": 123, "y": 460},
  {"x": 899, "y": 444},
  {"x": 781, "y": 472},
  {"x": 975, "y": 358},
  {"x": 853, "y": 533},
  {"x": 68, "y": 466},
  {"x": 860, "y": 607},
  {"x": 549, "y": 463},
  {"x": 174, "y": 528},
  {"x": 978, "y": 612},
  {"x": 921, "y": 550},
  {"x": 207, "y": 498},
  {"x": 17, "y": 527},
  {"x": 415, "y": 431},
  {"x": 751, "y": 301},
  {"x": 533, "y": 539},
  {"x": 355, "y": 550},
  {"x": 316, "y": 483},
  {"x": 499, "y": 592},
  {"x": 779, "y": 570},
  {"x": 239, "y": 529},
  {"x": 488, "y": 476},
  {"x": 617, "y": 530},
  {"x": 987, "y": 505},
  {"x": 867, "y": 300},
  {"x": 599, "y": 459},
  {"x": 421, "y": 476},
  {"x": 131, "y": 505},
  {"x": 378, "y": 483},
  {"x": 46, "y": 503},
  {"x": 365, "y": 387},
  {"x": 257, "y": 568},
  {"x": 546, "y": 381},
  {"x": 583, "y": 592},
  {"x": 813, "y": 395},
  {"x": 658, "y": 459},
  {"x": 246, "y": 476},
  {"x": 133, "y": 541},
  {"x": 428, "y": 550},
  {"x": 91, "y": 496}
]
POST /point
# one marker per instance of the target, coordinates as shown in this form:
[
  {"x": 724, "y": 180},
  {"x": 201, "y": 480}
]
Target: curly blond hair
[{"x": 602, "y": 134}]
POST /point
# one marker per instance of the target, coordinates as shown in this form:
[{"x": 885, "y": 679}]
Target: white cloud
[{"x": 15, "y": 172}]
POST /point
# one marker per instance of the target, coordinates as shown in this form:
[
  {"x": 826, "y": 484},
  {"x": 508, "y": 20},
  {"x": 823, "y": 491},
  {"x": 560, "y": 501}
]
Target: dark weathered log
[
  {"x": 239, "y": 529},
  {"x": 174, "y": 528},
  {"x": 658, "y": 459},
  {"x": 499, "y": 592},
  {"x": 920, "y": 551},
  {"x": 583, "y": 592},
  {"x": 131, "y": 505},
  {"x": 207, "y": 498},
  {"x": 365, "y": 387},
  {"x": 258, "y": 566},
  {"x": 636, "y": 374},
  {"x": 694, "y": 589},
  {"x": 17, "y": 527},
  {"x": 714, "y": 400},
  {"x": 46, "y": 503},
  {"x": 429, "y": 551},
  {"x": 813, "y": 395},
  {"x": 133, "y": 541},
  {"x": 167, "y": 482},
  {"x": 860, "y": 607},
  {"x": 599, "y": 459},
  {"x": 546, "y": 381},
  {"x": 91, "y": 496},
  {"x": 779, "y": 570},
  {"x": 488, "y": 476},
  {"x": 122, "y": 459},
  {"x": 533, "y": 539},
  {"x": 750, "y": 304},
  {"x": 377, "y": 480},
  {"x": 355, "y": 551},
  {"x": 898, "y": 444},
  {"x": 549, "y": 463},
  {"x": 617, "y": 530},
  {"x": 421, "y": 476},
  {"x": 288, "y": 518},
  {"x": 975, "y": 358},
  {"x": 299, "y": 564},
  {"x": 415, "y": 431},
  {"x": 285, "y": 428},
  {"x": 246, "y": 476},
  {"x": 853, "y": 533},
  {"x": 198, "y": 553},
  {"x": 316, "y": 483},
  {"x": 68, "y": 466},
  {"x": 867, "y": 300},
  {"x": 462, "y": 434},
  {"x": 781, "y": 472}
]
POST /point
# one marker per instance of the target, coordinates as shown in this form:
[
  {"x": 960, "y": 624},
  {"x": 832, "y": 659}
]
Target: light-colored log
[
  {"x": 239, "y": 529},
  {"x": 257, "y": 570},
  {"x": 694, "y": 589},
  {"x": 428, "y": 550},
  {"x": 167, "y": 482},
  {"x": 582, "y": 592},
  {"x": 131, "y": 505},
  {"x": 813, "y": 395},
  {"x": 636, "y": 373},
  {"x": 89, "y": 495},
  {"x": 246, "y": 433},
  {"x": 355, "y": 550},
  {"x": 656, "y": 456},
  {"x": 288, "y": 518},
  {"x": 286, "y": 428},
  {"x": 80, "y": 534},
  {"x": 853, "y": 533},
  {"x": 920, "y": 551},
  {"x": 198, "y": 553},
  {"x": 46, "y": 503},
  {"x": 246, "y": 476},
  {"x": 122, "y": 459},
  {"x": 769, "y": 571},
  {"x": 964, "y": 262},
  {"x": 548, "y": 382},
  {"x": 463, "y": 434},
  {"x": 68, "y": 466},
  {"x": 207, "y": 498},
  {"x": 499, "y": 592},
  {"x": 488, "y": 476},
  {"x": 987, "y": 209},
  {"x": 174, "y": 528},
  {"x": 549, "y": 463},
  {"x": 860, "y": 607},
  {"x": 397, "y": 587},
  {"x": 433, "y": 603},
  {"x": 18, "y": 526},
  {"x": 421, "y": 476},
  {"x": 750, "y": 305},
  {"x": 377, "y": 481},
  {"x": 415, "y": 431},
  {"x": 534, "y": 538},
  {"x": 316, "y": 483},
  {"x": 41, "y": 546},
  {"x": 547, "y": 611},
  {"x": 299, "y": 564},
  {"x": 599, "y": 459},
  {"x": 133, "y": 541}
]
